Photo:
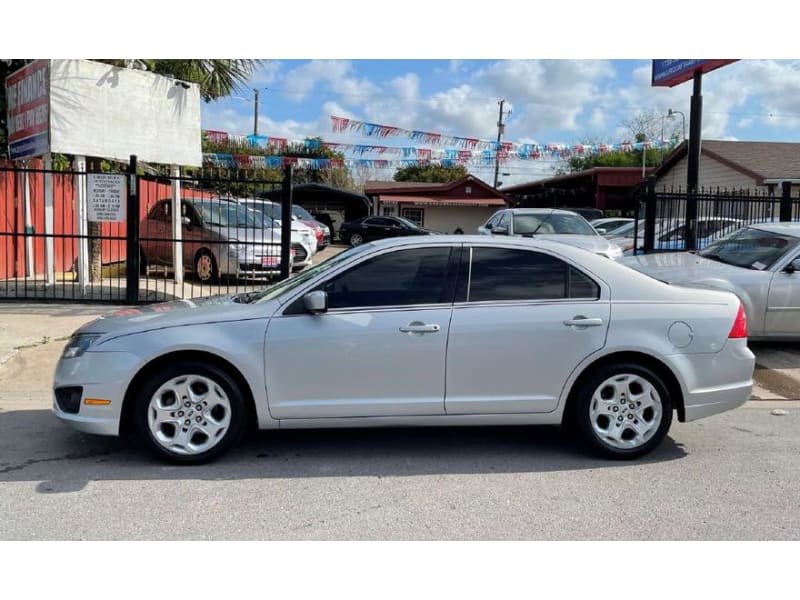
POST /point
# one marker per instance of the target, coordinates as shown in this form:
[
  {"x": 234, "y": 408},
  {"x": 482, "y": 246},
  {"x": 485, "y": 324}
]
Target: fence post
[
  {"x": 286, "y": 222},
  {"x": 132, "y": 242},
  {"x": 649, "y": 217},
  {"x": 786, "y": 201}
]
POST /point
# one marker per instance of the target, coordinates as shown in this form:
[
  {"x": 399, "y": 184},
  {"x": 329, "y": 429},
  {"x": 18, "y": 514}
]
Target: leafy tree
[{"x": 430, "y": 173}]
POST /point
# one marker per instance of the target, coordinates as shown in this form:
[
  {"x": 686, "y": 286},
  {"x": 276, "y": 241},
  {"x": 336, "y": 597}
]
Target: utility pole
[
  {"x": 255, "y": 113},
  {"x": 500, "y": 129}
]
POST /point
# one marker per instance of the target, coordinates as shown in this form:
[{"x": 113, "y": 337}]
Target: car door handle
[
  {"x": 417, "y": 327},
  {"x": 583, "y": 322}
]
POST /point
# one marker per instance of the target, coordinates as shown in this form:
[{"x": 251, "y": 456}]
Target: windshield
[
  {"x": 287, "y": 285},
  {"x": 262, "y": 220},
  {"x": 552, "y": 223},
  {"x": 750, "y": 248},
  {"x": 224, "y": 214},
  {"x": 407, "y": 223},
  {"x": 302, "y": 213}
]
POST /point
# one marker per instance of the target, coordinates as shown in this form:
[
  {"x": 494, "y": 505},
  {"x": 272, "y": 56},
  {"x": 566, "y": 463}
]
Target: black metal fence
[
  {"x": 70, "y": 235},
  {"x": 673, "y": 220}
]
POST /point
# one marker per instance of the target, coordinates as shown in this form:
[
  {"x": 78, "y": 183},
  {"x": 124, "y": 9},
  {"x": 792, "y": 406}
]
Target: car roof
[
  {"x": 791, "y": 228},
  {"x": 541, "y": 211}
]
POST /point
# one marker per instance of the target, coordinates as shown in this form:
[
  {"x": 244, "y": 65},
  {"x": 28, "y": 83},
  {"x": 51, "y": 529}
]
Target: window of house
[
  {"x": 415, "y": 215},
  {"x": 388, "y": 211},
  {"x": 503, "y": 274},
  {"x": 400, "y": 278}
]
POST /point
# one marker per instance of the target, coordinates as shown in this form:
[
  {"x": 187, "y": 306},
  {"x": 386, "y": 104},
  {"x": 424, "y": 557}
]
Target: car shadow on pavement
[{"x": 35, "y": 447}]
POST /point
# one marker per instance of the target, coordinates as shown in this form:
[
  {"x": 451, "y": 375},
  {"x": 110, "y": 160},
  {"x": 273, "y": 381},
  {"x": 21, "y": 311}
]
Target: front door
[
  {"x": 783, "y": 304},
  {"x": 380, "y": 348},
  {"x": 522, "y": 321}
]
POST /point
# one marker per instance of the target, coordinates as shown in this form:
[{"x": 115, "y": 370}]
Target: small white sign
[{"x": 106, "y": 201}]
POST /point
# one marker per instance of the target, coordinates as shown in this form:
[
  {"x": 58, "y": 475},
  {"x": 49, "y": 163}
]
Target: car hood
[
  {"x": 680, "y": 267},
  {"x": 213, "y": 309},
  {"x": 248, "y": 234}
]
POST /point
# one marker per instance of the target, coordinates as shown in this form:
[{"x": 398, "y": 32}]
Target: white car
[
  {"x": 550, "y": 223},
  {"x": 608, "y": 224},
  {"x": 303, "y": 239},
  {"x": 429, "y": 330},
  {"x": 274, "y": 211}
]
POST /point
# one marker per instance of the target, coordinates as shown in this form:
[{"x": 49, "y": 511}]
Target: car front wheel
[
  {"x": 189, "y": 412},
  {"x": 623, "y": 411}
]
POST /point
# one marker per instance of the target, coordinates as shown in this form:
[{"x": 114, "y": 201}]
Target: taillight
[{"x": 739, "y": 329}]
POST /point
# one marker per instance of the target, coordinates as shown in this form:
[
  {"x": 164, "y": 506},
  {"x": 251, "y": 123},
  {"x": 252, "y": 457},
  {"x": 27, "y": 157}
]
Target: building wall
[
  {"x": 447, "y": 218},
  {"x": 713, "y": 174}
]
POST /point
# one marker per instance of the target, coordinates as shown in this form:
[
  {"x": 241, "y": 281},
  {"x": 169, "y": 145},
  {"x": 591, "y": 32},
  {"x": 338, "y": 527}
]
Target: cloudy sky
[{"x": 551, "y": 101}]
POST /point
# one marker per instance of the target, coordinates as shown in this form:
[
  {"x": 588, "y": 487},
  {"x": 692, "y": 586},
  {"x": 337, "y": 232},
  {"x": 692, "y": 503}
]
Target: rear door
[{"x": 522, "y": 322}]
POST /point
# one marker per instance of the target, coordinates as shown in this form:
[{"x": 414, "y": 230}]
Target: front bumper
[{"x": 102, "y": 376}]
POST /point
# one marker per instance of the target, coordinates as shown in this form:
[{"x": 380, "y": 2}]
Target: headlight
[
  {"x": 614, "y": 252},
  {"x": 78, "y": 344},
  {"x": 234, "y": 247}
]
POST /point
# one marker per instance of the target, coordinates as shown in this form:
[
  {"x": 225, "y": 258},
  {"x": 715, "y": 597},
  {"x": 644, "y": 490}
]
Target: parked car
[
  {"x": 323, "y": 231},
  {"x": 670, "y": 234},
  {"x": 219, "y": 237},
  {"x": 759, "y": 263},
  {"x": 274, "y": 211},
  {"x": 301, "y": 240},
  {"x": 604, "y": 226},
  {"x": 550, "y": 223},
  {"x": 426, "y": 330},
  {"x": 367, "y": 229}
]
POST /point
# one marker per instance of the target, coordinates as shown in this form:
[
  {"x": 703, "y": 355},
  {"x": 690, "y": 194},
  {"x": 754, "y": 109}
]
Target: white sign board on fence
[{"x": 106, "y": 197}]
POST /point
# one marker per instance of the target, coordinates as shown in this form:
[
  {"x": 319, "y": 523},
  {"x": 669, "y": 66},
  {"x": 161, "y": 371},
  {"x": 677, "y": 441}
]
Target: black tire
[
  {"x": 164, "y": 437},
  {"x": 356, "y": 239},
  {"x": 202, "y": 272},
  {"x": 628, "y": 416}
]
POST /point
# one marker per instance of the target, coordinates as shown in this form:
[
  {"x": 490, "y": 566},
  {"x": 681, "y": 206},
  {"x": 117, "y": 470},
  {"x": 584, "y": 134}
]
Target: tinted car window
[
  {"x": 404, "y": 277},
  {"x": 505, "y": 274}
]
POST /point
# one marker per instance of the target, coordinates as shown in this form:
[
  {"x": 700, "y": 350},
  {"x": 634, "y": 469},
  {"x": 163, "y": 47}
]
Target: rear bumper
[{"x": 716, "y": 382}]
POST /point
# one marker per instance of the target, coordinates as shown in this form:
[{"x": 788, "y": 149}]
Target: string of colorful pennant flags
[{"x": 464, "y": 151}]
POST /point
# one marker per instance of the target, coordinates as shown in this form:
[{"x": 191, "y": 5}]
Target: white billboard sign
[
  {"x": 106, "y": 198},
  {"x": 113, "y": 112}
]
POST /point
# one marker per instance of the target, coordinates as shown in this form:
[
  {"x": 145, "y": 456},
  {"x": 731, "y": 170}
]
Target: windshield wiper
[{"x": 543, "y": 221}]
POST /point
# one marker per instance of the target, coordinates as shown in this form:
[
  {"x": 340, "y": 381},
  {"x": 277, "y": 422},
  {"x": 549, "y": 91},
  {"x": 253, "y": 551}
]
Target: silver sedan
[
  {"x": 758, "y": 263},
  {"x": 433, "y": 330}
]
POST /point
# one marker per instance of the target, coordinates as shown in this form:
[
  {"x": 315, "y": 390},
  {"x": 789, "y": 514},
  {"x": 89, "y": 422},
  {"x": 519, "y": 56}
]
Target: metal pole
[
  {"x": 49, "y": 218},
  {"x": 28, "y": 220},
  {"x": 132, "y": 241},
  {"x": 786, "y": 201},
  {"x": 286, "y": 222},
  {"x": 255, "y": 113},
  {"x": 497, "y": 148},
  {"x": 693, "y": 166},
  {"x": 82, "y": 223},
  {"x": 177, "y": 226}
]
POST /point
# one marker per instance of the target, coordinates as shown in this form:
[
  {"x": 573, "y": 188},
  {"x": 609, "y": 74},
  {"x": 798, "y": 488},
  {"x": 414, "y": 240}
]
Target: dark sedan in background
[{"x": 367, "y": 229}]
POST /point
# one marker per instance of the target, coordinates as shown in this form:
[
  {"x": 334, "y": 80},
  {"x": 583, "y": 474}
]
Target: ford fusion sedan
[
  {"x": 759, "y": 263},
  {"x": 550, "y": 223},
  {"x": 416, "y": 331}
]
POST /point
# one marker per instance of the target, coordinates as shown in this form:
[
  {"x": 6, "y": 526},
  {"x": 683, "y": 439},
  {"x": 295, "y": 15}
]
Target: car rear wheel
[
  {"x": 622, "y": 411},
  {"x": 189, "y": 413},
  {"x": 356, "y": 239},
  {"x": 205, "y": 267}
]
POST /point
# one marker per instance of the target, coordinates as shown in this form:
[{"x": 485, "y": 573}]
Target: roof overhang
[{"x": 443, "y": 201}]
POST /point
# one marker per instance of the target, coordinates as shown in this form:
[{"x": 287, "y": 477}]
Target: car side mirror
[
  {"x": 316, "y": 302},
  {"x": 601, "y": 230},
  {"x": 186, "y": 221},
  {"x": 500, "y": 230},
  {"x": 793, "y": 266},
  {"x": 488, "y": 226}
]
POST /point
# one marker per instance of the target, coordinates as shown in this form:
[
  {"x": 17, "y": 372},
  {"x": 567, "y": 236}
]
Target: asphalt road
[{"x": 731, "y": 476}]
